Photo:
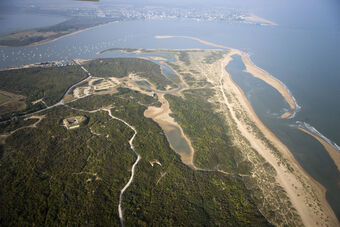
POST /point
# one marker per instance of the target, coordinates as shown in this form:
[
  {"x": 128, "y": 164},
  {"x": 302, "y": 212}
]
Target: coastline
[
  {"x": 333, "y": 153},
  {"x": 272, "y": 81},
  {"x": 294, "y": 183},
  {"x": 60, "y": 37},
  {"x": 254, "y": 71}
]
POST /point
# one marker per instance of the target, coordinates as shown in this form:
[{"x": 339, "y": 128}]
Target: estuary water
[
  {"x": 269, "y": 105},
  {"x": 11, "y": 22},
  {"x": 305, "y": 58}
]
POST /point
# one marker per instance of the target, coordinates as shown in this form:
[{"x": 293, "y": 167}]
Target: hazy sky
[{"x": 291, "y": 12}]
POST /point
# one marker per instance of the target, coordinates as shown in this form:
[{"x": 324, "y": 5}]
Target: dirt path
[
  {"x": 3, "y": 137},
  {"x": 133, "y": 166},
  {"x": 127, "y": 185},
  {"x": 304, "y": 192},
  {"x": 62, "y": 102},
  {"x": 254, "y": 71}
]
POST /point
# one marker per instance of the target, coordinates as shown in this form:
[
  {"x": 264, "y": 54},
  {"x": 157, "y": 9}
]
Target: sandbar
[
  {"x": 254, "y": 71},
  {"x": 303, "y": 191},
  {"x": 335, "y": 155}
]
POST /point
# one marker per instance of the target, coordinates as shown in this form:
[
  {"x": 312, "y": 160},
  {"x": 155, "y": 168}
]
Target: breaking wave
[
  {"x": 298, "y": 107},
  {"x": 313, "y": 130}
]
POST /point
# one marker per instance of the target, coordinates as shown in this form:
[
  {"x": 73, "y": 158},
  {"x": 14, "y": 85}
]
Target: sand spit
[
  {"x": 193, "y": 38},
  {"x": 332, "y": 149},
  {"x": 295, "y": 183},
  {"x": 253, "y": 19},
  {"x": 272, "y": 81},
  {"x": 255, "y": 71}
]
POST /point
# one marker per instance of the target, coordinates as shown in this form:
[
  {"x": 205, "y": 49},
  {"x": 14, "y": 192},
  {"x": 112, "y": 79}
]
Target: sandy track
[
  {"x": 254, "y": 71},
  {"x": 120, "y": 212},
  {"x": 303, "y": 191}
]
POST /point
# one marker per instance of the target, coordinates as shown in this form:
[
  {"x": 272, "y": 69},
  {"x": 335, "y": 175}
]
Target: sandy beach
[
  {"x": 253, "y": 70},
  {"x": 303, "y": 191},
  {"x": 272, "y": 81},
  {"x": 306, "y": 195},
  {"x": 335, "y": 155}
]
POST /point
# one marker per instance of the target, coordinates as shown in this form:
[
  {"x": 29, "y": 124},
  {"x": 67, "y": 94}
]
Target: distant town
[{"x": 128, "y": 12}]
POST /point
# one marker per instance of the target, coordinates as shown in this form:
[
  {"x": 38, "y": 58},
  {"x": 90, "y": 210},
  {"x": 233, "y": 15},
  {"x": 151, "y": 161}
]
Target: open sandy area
[
  {"x": 253, "y": 70},
  {"x": 161, "y": 115},
  {"x": 306, "y": 195},
  {"x": 335, "y": 155},
  {"x": 303, "y": 191}
]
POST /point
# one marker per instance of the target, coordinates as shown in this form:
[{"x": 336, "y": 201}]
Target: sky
[{"x": 290, "y": 12}]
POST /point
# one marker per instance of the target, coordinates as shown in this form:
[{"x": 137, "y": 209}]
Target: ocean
[{"x": 304, "y": 57}]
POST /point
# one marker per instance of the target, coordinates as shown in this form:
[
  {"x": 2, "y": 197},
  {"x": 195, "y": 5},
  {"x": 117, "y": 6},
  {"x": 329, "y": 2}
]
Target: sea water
[{"x": 304, "y": 57}]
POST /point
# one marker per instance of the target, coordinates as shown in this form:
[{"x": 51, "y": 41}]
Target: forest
[{"x": 54, "y": 176}]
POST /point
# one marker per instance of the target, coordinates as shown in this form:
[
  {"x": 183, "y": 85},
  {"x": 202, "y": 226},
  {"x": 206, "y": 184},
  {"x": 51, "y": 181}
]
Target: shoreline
[
  {"x": 254, "y": 71},
  {"x": 45, "y": 41},
  {"x": 293, "y": 184},
  {"x": 272, "y": 81},
  {"x": 161, "y": 115},
  {"x": 333, "y": 153}
]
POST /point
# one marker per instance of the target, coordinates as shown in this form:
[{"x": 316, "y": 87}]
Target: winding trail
[
  {"x": 120, "y": 212},
  {"x": 62, "y": 102},
  {"x": 255, "y": 71}
]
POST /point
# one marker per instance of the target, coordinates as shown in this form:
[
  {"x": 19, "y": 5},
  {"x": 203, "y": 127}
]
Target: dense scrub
[
  {"x": 121, "y": 67},
  {"x": 54, "y": 176},
  {"x": 206, "y": 129},
  {"x": 47, "y": 83}
]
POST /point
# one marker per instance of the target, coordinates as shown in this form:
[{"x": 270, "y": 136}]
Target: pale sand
[
  {"x": 272, "y": 81},
  {"x": 300, "y": 187},
  {"x": 161, "y": 115},
  {"x": 335, "y": 155},
  {"x": 253, "y": 70},
  {"x": 252, "y": 18}
]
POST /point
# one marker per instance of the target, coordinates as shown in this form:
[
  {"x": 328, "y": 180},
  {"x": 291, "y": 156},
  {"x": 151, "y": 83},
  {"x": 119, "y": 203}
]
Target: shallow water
[
  {"x": 305, "y": 58},
  {"x": 178, "y": 143},
  {"x": 269, "y": 105},
  {"x": 10, "y": 22}
]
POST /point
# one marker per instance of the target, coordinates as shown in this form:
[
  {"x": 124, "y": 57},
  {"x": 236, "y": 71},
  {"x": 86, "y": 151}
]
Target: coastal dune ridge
[
  {"x": 255, "y": 71},
  {"x": 302, "y": 190}
]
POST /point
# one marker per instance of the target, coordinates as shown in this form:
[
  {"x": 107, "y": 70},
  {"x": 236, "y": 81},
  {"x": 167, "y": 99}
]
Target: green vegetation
[
  {"x": 49, "y": 174},
  {"x": 4, "y": 98},
  {"x": 184, "y": 57},
  {"x": 73, "y": 177},
  {"x": 48, "y": 83},
  {"x": 206, "y": 129},
  {"x": 13, "y": 124},
  {"x": 213, "y": 57},
  {"x": 27, "y": 37},
  {"x": 54, "y": 176},
  {"x": 121, "y": 67}
]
